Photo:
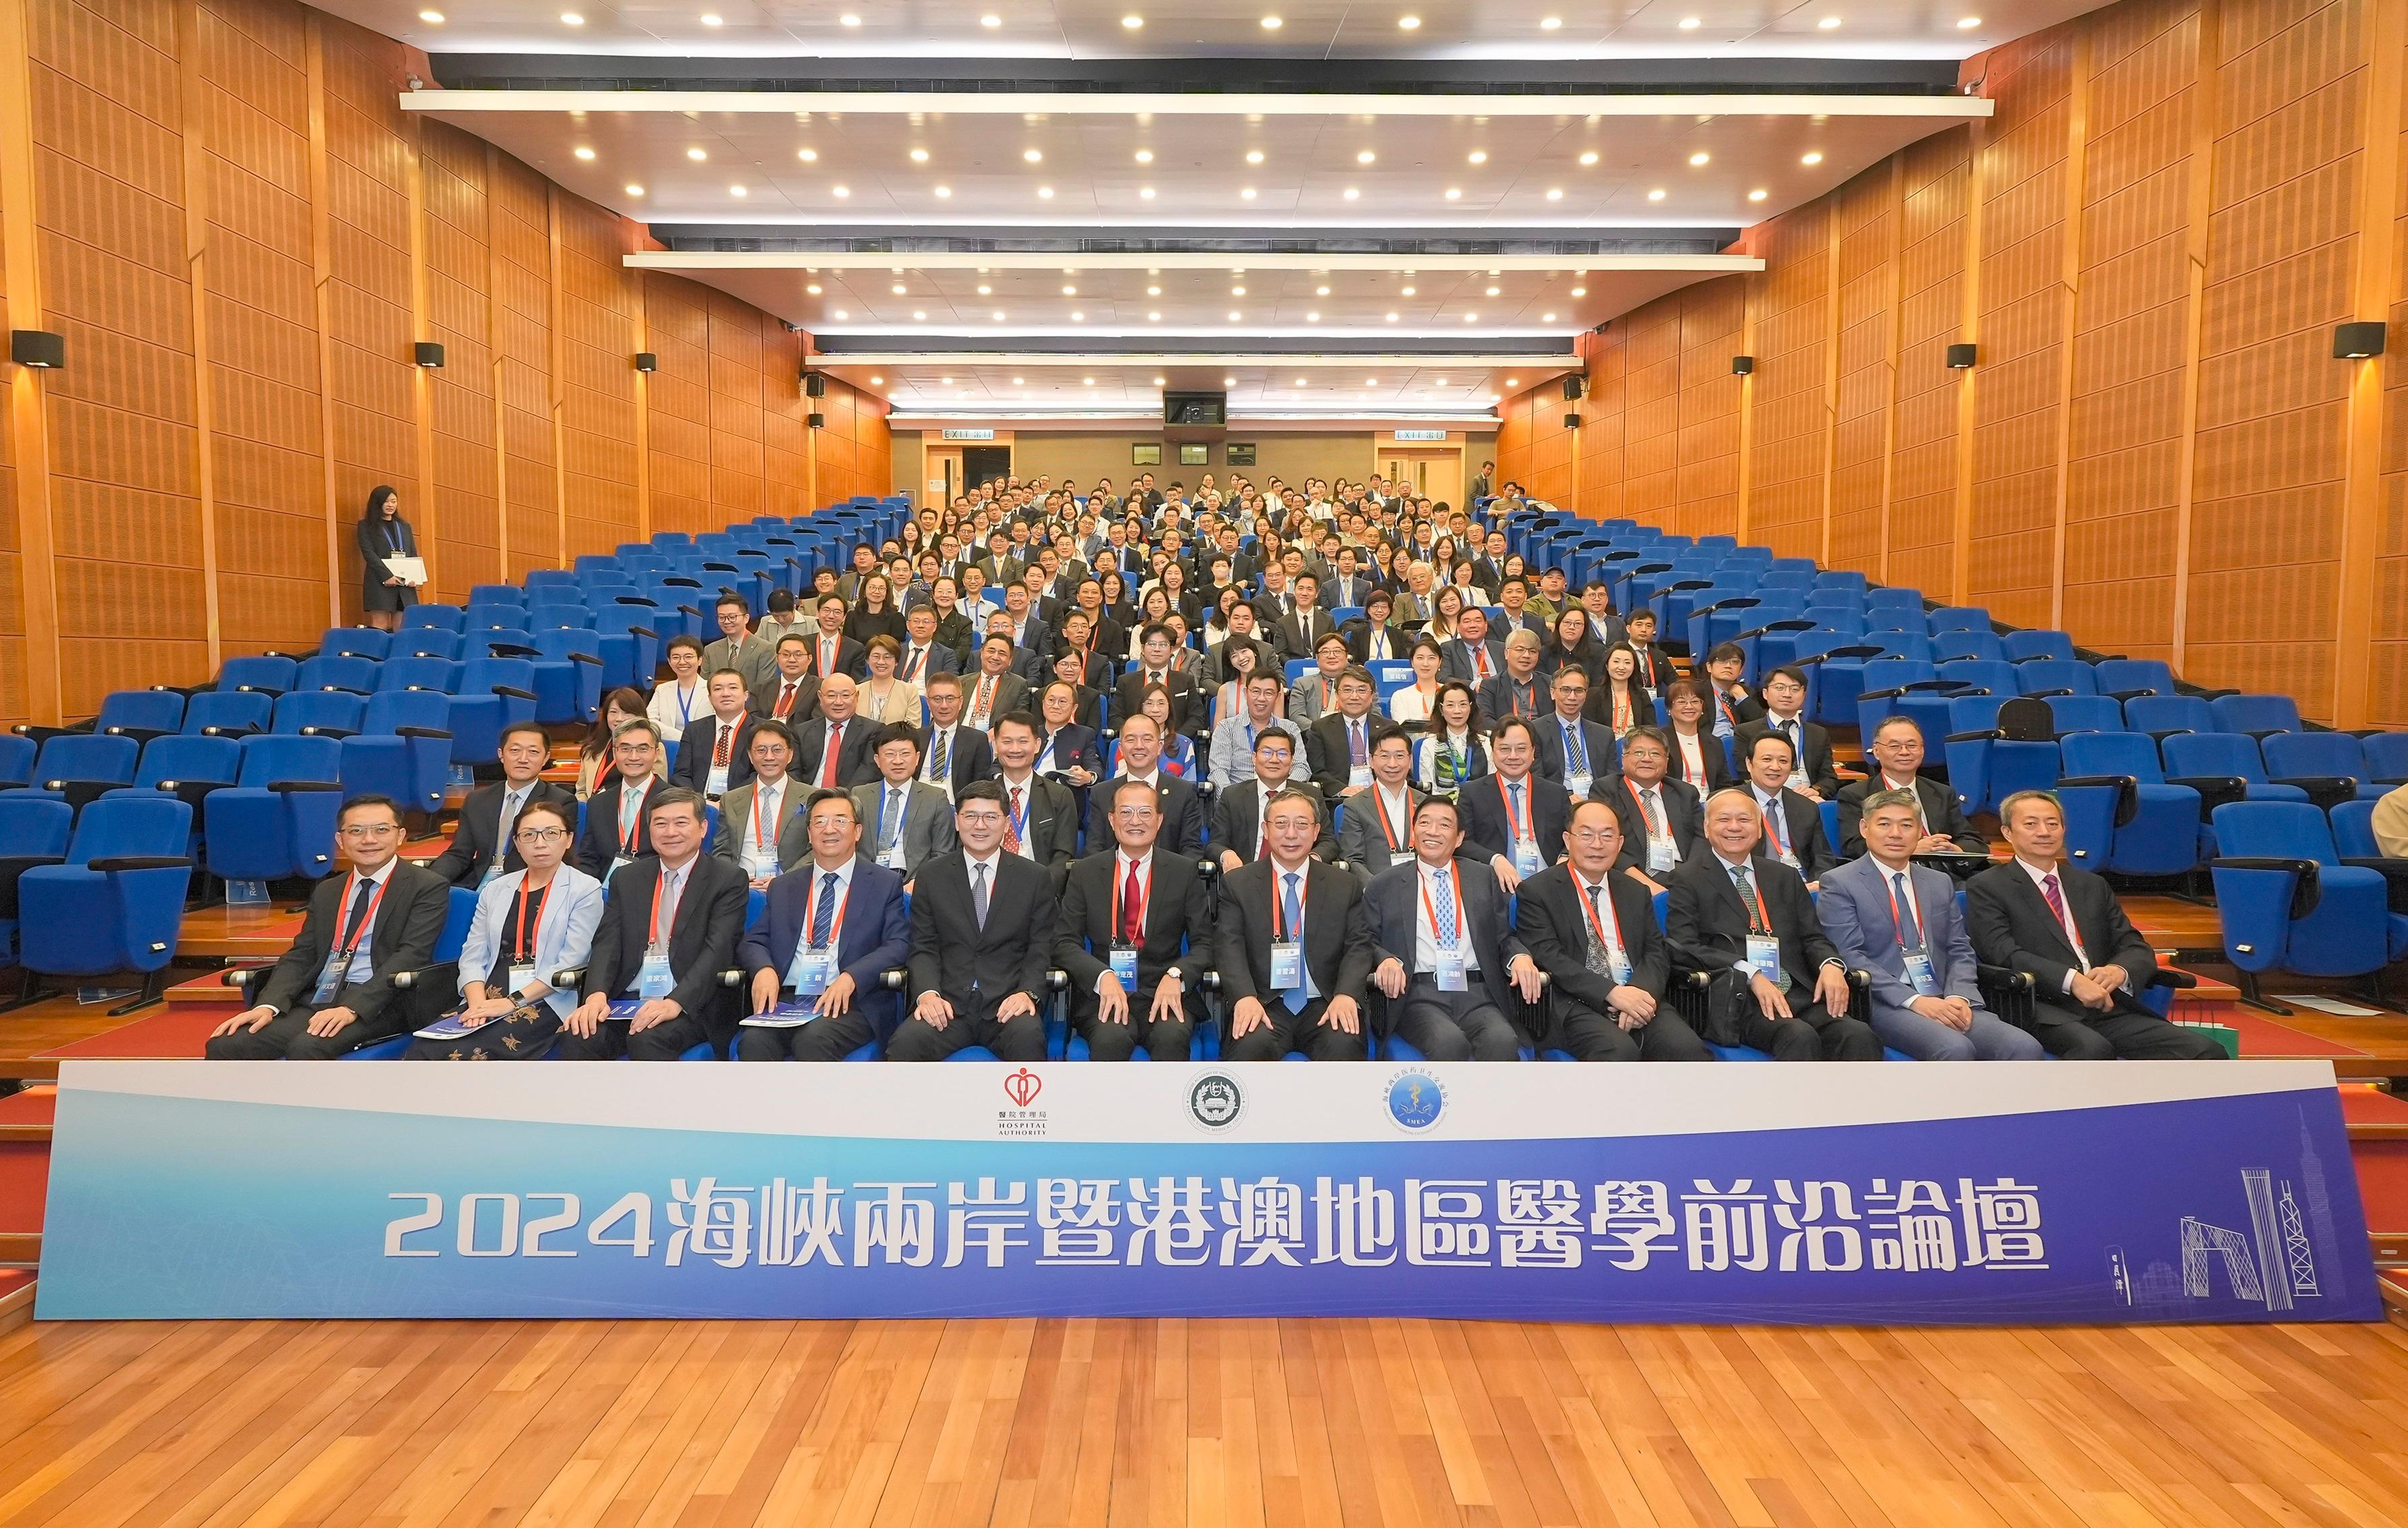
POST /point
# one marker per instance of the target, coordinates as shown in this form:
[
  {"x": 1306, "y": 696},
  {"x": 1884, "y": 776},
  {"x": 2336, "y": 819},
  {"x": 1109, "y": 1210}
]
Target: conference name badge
[
  {"x": 1764, "y": 957},
  {"x": 893, "y": 858},
  {"x": 521, "y": 978},
  {"x": 1528, "y": 861},
  {"x": 1578, "y": 784},
  {"x": 1125, "y": 964},
  {"x": 1451, "y": 973},
  {"x": 1287, "y": 966},
  {"x": 1661, "y": 854},
  {"x": 814, "y": 968},
  {"x": 1919, "y": 973},
  {"x": 655, "y": 978}
]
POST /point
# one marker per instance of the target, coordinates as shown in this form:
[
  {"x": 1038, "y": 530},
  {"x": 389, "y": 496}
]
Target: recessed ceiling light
[
  {"x": 1392, "y": 318},
  {"x": 1478, "y": 156},
  {"x": 1044, "y": 194},
  {"x": 944, "y": 191},
  {"x": 432, "y": 18},
  {"x": 1690, "y": 23},
  {"x": 1069, "y": 291},
  {"x": 900, "y": 289},
  {"x": 1968, "y": 24},
  {"x": 583, "y": 152},
  {"x": 1034, "y": 156},
  {"x": 1409, "y": 23},
  {"x": 1410, "y": 290},
  {"x": 1812, "y": 157},
  {"x": 1153, "y": 292},
  {"x": 1235, "y": 317},
  {"x": 919, "y": 156},
  {"x": 809, "y": 156},
  {"x": 1547, "y": 318},
  {"x": 1019, "y": 381},
  {"x": 1247, "y": 194},
  {"x": 1580, "y": 292},
  {"x": 1700, "y": 158},
  {"x": 1759, "y": 193},
  {"x": 1145, "y": 193},
  {"x": 998, "y": 316},
  {"x": 1589, "y": 158},
  {"x": 1439, "y": 381},
  {"x": 1549, "y": 23},
  {"x": 1453, "y": 194},
  {"x": 1350, "y": 193},
  {"x": 1471, "y": 318},
  {"x": 842, "y": 314},
  {"x": 570, "y": 17},
  {"x": 1270, "y": 23},
  {"x": 697, "y": 155},
  {"x": 920, "y": 316},
  {"x": 1157, "y": 381},
  {"x": 1228, "y": 382},
  {"x": 709, "y": 20},
  {"x": 1554, "y": 194},
  {"x": 1078, "y": 318},
  {"x": 1828, "y": 23},
  {"x": 1132, "y": 23},
  {"x": 984, "y": 290},
  {"x": 878, "y": 382},
  {"x": 1312, "y": 317},
  {"x": 1145, "y": 156},
  {"x": 1087, "y": 380},
  {"x": 1154, "y": 318},
  {"x": 735, "y": 191},
  {"x": 990, "y": 20},
  {"x": 841, "y": 191},
  {"x": 1495, "y": 290},
  {"x": 850, "y": 19},
  {"x": 1236, "y": 292},
  {"x": 944, "y": 381},
  {"x": 1254, "y": 156},
  {"x": 1321, "y": 291},
  {"x": 1656, "y": 195},
  {"x": 635, "y": 190},
  {"x": 813, "y": 289},
  {"x": 1370, "y": 381}
]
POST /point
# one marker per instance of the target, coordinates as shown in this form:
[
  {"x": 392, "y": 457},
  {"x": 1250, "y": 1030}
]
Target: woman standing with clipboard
[{"x": 383, "y": 534}]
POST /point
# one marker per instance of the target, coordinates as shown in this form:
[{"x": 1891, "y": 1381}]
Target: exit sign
[
  {"x": 1421, "y": 435},
  {"x": 968, "y": 435}
]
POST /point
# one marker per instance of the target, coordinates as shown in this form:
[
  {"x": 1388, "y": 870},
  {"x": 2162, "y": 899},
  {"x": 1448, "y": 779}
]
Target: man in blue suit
[
  {"x": 1899, "y": 921},
  {"x": 834, "y": 925}
]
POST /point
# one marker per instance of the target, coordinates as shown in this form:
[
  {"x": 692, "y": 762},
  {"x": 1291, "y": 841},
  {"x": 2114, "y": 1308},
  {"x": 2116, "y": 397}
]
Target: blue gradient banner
[{"x": 1895, "y": 1194}]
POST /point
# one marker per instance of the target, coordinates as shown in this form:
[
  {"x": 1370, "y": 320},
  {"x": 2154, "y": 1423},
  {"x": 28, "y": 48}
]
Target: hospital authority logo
[
  {"x": 1022, "y": 1087},
  {"x": 1216, "y": 1101},
  {"x": 1415, "y": 1100}
]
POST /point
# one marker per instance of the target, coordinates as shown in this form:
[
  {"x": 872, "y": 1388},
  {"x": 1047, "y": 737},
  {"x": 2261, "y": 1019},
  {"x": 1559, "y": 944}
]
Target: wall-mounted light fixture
[
  {"x": 2358, "y": 341},
  {"x": 38, "y": 348},
  {"x": 430, "y": 354},
  {"x": 1961, "y": 357},
  {"x": 647, "y": 361},
  {"x": 1743, "y": 364}
]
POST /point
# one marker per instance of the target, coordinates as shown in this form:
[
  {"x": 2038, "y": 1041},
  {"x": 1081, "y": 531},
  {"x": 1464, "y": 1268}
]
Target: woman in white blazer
[
  {"x": 1455, "y": 748},
  {"x": 509, "y": 1011}
]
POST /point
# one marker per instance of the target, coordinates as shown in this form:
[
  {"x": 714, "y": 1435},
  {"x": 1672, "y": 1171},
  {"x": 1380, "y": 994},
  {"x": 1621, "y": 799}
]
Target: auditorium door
[{"x": 1436, "y": 472}]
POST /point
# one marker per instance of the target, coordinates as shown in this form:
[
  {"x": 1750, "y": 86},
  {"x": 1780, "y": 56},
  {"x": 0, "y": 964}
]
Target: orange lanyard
[
  {"x": 1646, "y": 816},
  {"x": 1914, "y": 904},
  {"x": 525, "y": 949},
  {"x": 1621, "y": 709},
  {"x": 1303, "y": 887},
  {"x": 1379, "y": 810},
  {"x": 368, "y": 920},
  {"x": 836, "y": 924},
  {"x": 635, "y": 826},
  {"x": 1527, "y": 827},
  {"x": 658, "y": 886},
  {"x": 1436, "y": 936},
  {"x": 759, "y": 841},
  {"x": 1589, "y": 905}
]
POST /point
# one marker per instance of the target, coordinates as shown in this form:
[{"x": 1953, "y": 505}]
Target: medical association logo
[
  {"x": 1415, "y": 1100},
  {"x": 1216, "y": 1102},
  {"x": 1022, "y": 1087}
]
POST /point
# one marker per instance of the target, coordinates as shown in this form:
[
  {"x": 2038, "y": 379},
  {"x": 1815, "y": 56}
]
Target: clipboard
[{"x": 409, "y": 571}]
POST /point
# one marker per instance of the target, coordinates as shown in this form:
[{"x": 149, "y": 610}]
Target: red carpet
[
  {"x": 33, "y": 1107},
  {"x": 2262, "y": 1038},
  {"x": 24, "y": 1184},
  {"x": 175, "y": 1033}
]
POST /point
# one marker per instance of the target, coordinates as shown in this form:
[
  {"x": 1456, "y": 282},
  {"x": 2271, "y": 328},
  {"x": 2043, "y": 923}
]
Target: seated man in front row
[
  {"x": 1135, "y": 931},
  {"x": 982, "y": 933},
  {"x": 834, "y": 925},
  {"x": 332, "y": 993},
  {"x": 1746, "y": 920},
  {"x": 2063, "y": 927},
  {"x": 1295, "y": 947},
  {"x": 1899, "y": 920},
  {"x": 1594, "y": 933},
  {"x": 669, "y": 929},
  {"x": 1451, "y": 963}
]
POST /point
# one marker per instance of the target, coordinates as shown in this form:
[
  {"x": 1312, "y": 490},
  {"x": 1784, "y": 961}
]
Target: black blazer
[
  {"x": 1806, "y": 837},
  {"x": 1297, "y": 637},
  {"x": 1604, "y": 753},
  {"x": 972, "y": 758},
  {"x": 597, "y": 845},
  {"x": 1053, "y": 826},
  {"x": 462, "y": 862},
  {"x": 408, "y": 921},
  {"x": 1706, "y": 923},
  {"x": 1941, "y": 812},
  {"x": 973, "y": 967},
  {"x": 807, "y": 700},
  {"x": 708, "y": 922},
  {"x": 1394, "y": 900},
  {"x": 2009, "y": 924},
  {"x": 1740, "y": 712},
  {"x": 1821, "y": 772},
  {"x": 1711, "y": 750},
  {"x": 1599, "y": 707},
  {"x": 1237, "y": 820},
  {"x": 876, "y": 936},
  {"x": 1495, "y": 697},
  {"x": 1487, "y": 832},
  {"x": 850, "y": 656},
  {"x": 1656, "y": 670},
  {"x": 861, "y": 625},
  {"x": 855, "y": 766},
  {"x": 693, "y": 767},
  {"x": 1074, "y": 747},
  {"x": 1330, "y": 755},
  {"x": 1399, "y": 640},
  {"x": 1337, "y": 948},
  {"x": 1682, "y": 813},
  {"x": 1187, "y": 712},
  {"x": 1182, "y": 815},
  {"x": 1554, "y": 930},
  {"x": 1178, "y": 920}
]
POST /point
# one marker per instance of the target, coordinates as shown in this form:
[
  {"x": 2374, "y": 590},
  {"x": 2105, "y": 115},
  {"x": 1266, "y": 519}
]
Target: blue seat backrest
[
  {"x": 270, "y": 757},
  {"x": 1996, "y": 675},
  {"x": 2292, "y": 830},
  {"x": 1974, "y": 713},
  {"x": 495, "y": 593},
  {"x": 2133, "y": 754},
  {"x": 457, "y": 915},
  {"x": 2055, "y": 673},
  {"x": 258, "y": 672},
  {"x": 1957, "y": 617},
  {"x": 354, "y": 642},
  {"x": 2043, "y": 644},
  {"x": 2125, "y": 675},
  {"x": 131, "y": 824},
  {"x": 359, "y": 674},
  {"x": 479, "y": 676},
  {"x": 228, "y": 710},
  {"x": 437, "y": 674},
  {"x": 2387, "y": 756},
  {"x": 36, "y": 826},
  {"x": 189, "y": 759},
  {"x": 2255, "y": 713},
  {"x": 2295, "y": 753},
  {"x": 146, "y": 710},
  {"x": 444, "y": 618},
  {"x": 428, "y": 644},
  {"x": 16, "y": 758},
  {"x": 388, "y": 709},
  {"x": 557, "y": 645},
  {"x": 1896, "y": 673},
  {"x": 2167, "y": 713},
  {"x": 87, "y": 756},
  {"x": 1958, "y": 644},
  {"x": 317, "y": 708},
  {"x": 2233, "y": 753},
  {"x": 2085, "y": 713},
  {"x": 2353, "y": 830}
]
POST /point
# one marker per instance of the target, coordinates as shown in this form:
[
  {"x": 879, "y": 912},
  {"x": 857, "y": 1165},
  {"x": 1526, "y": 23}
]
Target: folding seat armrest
[
  {"x": 1891, "y": 693},
  {"x": 2326, "y": 791},
  {"x": 2368, "y": 732},
  {"x": 2216, "y": 695},
  {"x": 731, "y": 979},
  {"x": 2127, "y": 788},
  {"x": 2121, "y": 695},
  {"x": 191, "y": 792},
  {"x": 513, "y": 692},
  {"x": 2007, "y": 992},
  {"x": 189, "y": 691},
  {"x": 585, "y": 657},
  {"x": 2044, "y": 695},
  {"x": 329, "y": 732},
  {"x": 2166, "y": 975},
  {"x": 512, "y": 650},
  {"x": 437, "y": 733},
  {"x": 2394, "y": 873},
  {"x": 139, "y": 862},
  {"x": 1857, "y": 649},
  {"x": 2214, "y": 790},
  {"x": 1209, "y": 981},
  {"x": 895, "y": 979},
  {"x": 2261, "y": 733},
  {"x": 2307, "y": 886},
  {"x": 299, "y": 655},
  {"x": 644, "y": 631},
  {"x": 140, "y": 734},
  {"x": 40, "y": 735},
  {"x": 1937, "y": 686},
  {"x": 566, "y": 980},
  {"x": 290, "y": 786},
  {"x": 1986, "y": 734},
  {"x": 345, "y": 690},
  {"x": 1056, "y": 979},
  {"x": 246, "y": 979}
]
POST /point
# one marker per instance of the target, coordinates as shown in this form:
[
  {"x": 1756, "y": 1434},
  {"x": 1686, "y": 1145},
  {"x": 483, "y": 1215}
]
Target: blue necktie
[
  {"x": 1575, "y": 750},
  {"x": 1910, "y": 925},
  {"x": 1445, "y": 930},
  {"x": 1514, "y": 827},
  {"x": 1292, "y": 913},
  {"x": 824, "y": 916}
]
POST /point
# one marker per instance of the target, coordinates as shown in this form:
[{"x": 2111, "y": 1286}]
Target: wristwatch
[{"x": 1176, "y": 975}]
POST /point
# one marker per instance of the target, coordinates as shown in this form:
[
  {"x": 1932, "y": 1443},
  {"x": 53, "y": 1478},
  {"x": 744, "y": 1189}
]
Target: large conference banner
[{"x": 1975, "y": 1193}]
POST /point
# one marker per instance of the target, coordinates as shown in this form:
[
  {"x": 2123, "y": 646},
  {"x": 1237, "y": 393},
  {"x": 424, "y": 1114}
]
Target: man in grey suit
[
  {"x": 1899, "y": 920},
  {"x": 1378, "y": 830},
  {"x": 762, "y": 828},
  {"x": 738, "y": 647},
  {"x": 904, "y": 821}
]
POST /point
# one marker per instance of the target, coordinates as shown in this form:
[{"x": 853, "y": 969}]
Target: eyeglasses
[
  {"x": 1595, "y": 835},
  {"x": 540, "y": 835},
  {"x": 371, "y": 830}
]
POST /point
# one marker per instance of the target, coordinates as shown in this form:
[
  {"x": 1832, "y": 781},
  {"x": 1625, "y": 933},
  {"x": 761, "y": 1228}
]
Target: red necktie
[
  {"x": 1011, "y": 824},
  {"x": 2055, "y": 898},
  {"x": 785, "y": 699},
  {"x": 835, "y": 751},
  {"x": 1132, "y": 908},
  {"x": 725, "y": 745}
]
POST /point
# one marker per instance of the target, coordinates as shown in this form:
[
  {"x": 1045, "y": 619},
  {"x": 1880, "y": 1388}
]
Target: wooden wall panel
[
  {"x": 1787, "y": 393},
  {"x": 466, "y": 468},
  {"x": 1865, "y": 385},
  {"x": 14, "y": 698}
]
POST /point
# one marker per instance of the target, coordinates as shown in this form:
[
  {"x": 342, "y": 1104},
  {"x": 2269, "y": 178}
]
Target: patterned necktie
[
  {"x": 1445, "y": 911},
  {"x": 941, "y": 762},
  {"x": 1647, "y": 810},
  {"x": 894, "y": 804},
  {"x": 978, "y": 894},
  {"x": 1354, "y": 731},
  {"x": 513, "y": 802},
  {"x": 785, "y": 700},
  {"x": 1292, "y": 915},
  {"x": 724, "y": 747},
  {"x": 1575, "y": 750},
  {"x": 1011, "y": 824},
  {"x": 1910, "y": 922},
  {"x": 824, "y": 916},
  {"x": 835, "y": 751},
  {"x": 1601, "y": 960}
]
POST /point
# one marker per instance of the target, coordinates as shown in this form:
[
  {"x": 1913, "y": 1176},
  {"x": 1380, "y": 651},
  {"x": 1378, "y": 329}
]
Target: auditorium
[{"x": 1355, "y": 621}]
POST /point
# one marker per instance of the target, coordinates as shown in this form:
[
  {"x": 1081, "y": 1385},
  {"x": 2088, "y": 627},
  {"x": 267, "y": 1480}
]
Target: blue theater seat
[
  {"x": 116, "y": 903},
  {"x": 2288, "y": 900}
]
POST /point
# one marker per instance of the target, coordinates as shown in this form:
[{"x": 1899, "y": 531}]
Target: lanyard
[
  {"x": 1914, "y": 906},
  {"x": 368, "y": 920},
  {"x": 629, "y": 828},
  {"x": 1778, "y": 836},
  {"x": 836, "y": 924},
  {"x": 1386, "y": 830},
  {"x": 525, "y": 949},
  {"x": 1692, "y": 747},
  {"x": 760, "y": 839},
  {"x": 1437, "y": 936},
  {"x": 1589, "y": 905},
  {"x": 1278, "y": 902},
  {"x": 1136, "y": 882},
  {"x": 659, "y": 886},
  {"x": 1020, "y": 819},
  {"x": 1527, "y": 827},
  {"x": 1046, "y": 752},
  {"x": 1621, "y": 709},
  {"x": 685, "y": 704},
  {"x": 1763, "y": 923},
  {"x": 1646, "y": 815}
]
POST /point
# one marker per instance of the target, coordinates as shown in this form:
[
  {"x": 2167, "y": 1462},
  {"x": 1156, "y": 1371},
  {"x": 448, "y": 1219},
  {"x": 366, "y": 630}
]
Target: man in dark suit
[
  {"x": 1042, "y": 816},
  {"x": 1295, "y": 946},
  {"x": 1897, "y": 748},
  {"x": 1594, "y": 934},
  {"x": 1656, "y": 668},
  {"x": 1378, "y": 830},
  {"x": 1474, "y": 656},
  {"x": 994, "y": 690},
  {"x": 669, "y": 929},
  {"x": 1181, "y": 830},
  {"x": 954, "y": 753},
  {"x": 1813, "y": 774},
  {"x": 1239, "y": 827},
  {"x": 1130, "y": 917},
  {"x": 832, "y": 750},
  {"x": 1155, "y": 667},
  {"x": 332, "y": 991},
  {"x": 982, "y": 928},
  {"x": 844, "y": 916},
  {"x": 617, "y": 826},
  {"x": 1308, "y": 621},
  {"x": 792, "y": 694},
  {"x": 1658, "y": 815},
  {"x": 1792, "y": 822},
  {"x": 1449, "y": 962},
  {"x": 715, "y": 755},
  {"x": 1347, "y": 588},
  {"x": 1339, "y": 745},
  {"x": 2063, "y": 927},
  {"x": 1573, "y": 751},
  {"x": 1777, "y": 983},
  {"x": 1729, "y": 704},
  {"x": 922, "y": 654},
  {"x": 1513, "y": 819},
  {"x": 832, "y": 652},
  {"x": 1513, "y": 595},
  {"x": 1520, "y": 691},
  {"x": 488, "y": 815}
]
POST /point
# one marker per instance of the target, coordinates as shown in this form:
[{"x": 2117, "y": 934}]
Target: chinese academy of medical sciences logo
[
  {"x": 1216, "y": 1102},
  {"x": 1415, "y": 1100}
]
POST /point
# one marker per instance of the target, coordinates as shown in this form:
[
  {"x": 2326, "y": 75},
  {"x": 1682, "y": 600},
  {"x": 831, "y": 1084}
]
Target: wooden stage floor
[{"x": 1323, "y": 1423}]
